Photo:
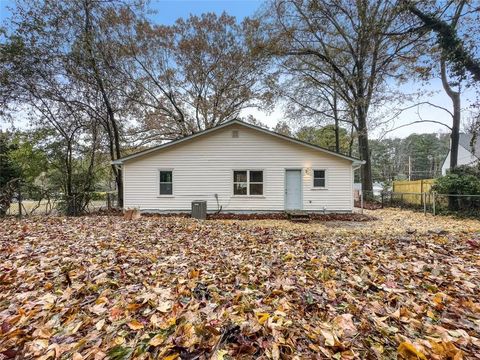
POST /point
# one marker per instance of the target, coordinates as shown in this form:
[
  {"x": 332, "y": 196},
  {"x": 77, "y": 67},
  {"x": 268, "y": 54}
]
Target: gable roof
[
  {"x": 120, "y": 161},
  {"x": 465, "y": 141}
]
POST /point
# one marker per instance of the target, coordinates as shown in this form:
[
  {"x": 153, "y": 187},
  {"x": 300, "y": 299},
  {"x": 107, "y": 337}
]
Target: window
[
  {"x": 256, "y": 183},
  {"x": 248, "y": 182},
  {"x": 319, "y": 178},
  {"x": 240, "y": 184},
  {"x": 166, "y": 182}
]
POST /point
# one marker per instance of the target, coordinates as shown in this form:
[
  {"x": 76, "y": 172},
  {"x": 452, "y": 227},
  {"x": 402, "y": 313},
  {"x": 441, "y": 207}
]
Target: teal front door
[{"x": 293, "y": 190}]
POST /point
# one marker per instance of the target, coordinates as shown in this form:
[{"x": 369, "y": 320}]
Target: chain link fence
[
  {"x": 58, "y": 204},
  {"x": 428, "y": 202}
]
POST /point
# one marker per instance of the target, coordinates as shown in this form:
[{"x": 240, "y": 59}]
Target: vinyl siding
[
  {"x": 203, "y": 167},
  {"x": 465, "y": 157}
]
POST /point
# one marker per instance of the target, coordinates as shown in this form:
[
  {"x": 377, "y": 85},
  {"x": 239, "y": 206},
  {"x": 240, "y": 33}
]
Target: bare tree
[
  {"x": 193, "y": 75},
  {"x": 347, "y": 41}
]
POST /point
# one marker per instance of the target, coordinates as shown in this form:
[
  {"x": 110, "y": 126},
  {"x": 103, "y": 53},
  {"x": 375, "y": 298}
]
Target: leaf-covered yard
[{"x": 98, "y": 287}]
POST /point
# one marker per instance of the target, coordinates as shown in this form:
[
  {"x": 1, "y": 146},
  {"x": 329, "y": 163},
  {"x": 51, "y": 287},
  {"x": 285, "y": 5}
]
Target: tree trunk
[
  {"x": 337, "y": 136},
  {"x": 335, "y": 115},
  {"x": 350, "y": 144},
  {"x": 364, "y": 151},
  {"x": 119, "y": 172},
  {"x": 456, "y": 118},
  {"x": 119, "y": 182},
  {"x": 337, "y": 129},
  {"x": 70, "y": 198},
  {"x": 110, "y": 113},
  {"x": 455, "y": 132}
]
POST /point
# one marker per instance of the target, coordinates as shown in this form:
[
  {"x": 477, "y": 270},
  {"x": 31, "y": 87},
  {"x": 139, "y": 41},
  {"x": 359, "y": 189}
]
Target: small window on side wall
[
  {"x": 166, "y": 182},
  {"x": 319, "y": 178}
]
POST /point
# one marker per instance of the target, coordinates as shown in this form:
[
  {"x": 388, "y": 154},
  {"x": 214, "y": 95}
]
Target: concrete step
[{"x": 298, "y": 216}]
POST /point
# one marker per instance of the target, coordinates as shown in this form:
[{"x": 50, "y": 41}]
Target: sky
[{"x": 167, "y": 11}]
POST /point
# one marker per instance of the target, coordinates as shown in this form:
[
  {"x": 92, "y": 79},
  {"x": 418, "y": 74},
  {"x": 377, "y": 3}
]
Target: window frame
[
  {"x": 248, "y": 183},
  {"x": 159, "y": 182},
  {"x": 325, "y": 187}
]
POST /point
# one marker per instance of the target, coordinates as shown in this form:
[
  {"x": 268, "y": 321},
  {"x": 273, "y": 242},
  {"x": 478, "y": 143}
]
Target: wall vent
[{"x": 235, "y": 134}]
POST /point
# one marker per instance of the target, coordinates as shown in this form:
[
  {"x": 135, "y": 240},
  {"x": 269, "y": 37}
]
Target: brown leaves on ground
[{"x": 99, "y": 287}]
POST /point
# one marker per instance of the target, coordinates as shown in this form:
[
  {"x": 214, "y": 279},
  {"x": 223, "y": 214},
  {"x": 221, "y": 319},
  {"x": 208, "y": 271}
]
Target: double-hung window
[
  {"x": 166, "y": 182},
  {"x": 319, "y": 179},
  {"x": 248, "y": 182}
]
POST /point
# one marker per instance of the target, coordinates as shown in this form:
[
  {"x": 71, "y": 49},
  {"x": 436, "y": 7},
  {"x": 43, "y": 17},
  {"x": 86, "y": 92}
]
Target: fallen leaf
[
  {"x": 135, "y": 325},
  {"x": 329, "y": 337},
  {"x": 156, "y": 340},
  {"x": 99, "y": 325},
  {"x": 262, "y": 317},
  {"x": 408, "y": 351}
]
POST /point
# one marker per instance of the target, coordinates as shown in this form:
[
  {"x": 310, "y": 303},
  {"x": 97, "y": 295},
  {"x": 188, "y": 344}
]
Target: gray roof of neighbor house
[
  {"x": 120, "y": 161},
  {"x": 465, "y": 141}
]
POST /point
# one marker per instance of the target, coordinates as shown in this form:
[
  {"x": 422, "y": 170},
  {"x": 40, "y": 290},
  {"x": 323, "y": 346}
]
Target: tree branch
[
  {"x": 417, "y": 122},
  {"x": 449, "y": 41}
]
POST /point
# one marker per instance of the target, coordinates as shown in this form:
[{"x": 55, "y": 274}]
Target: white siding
[
  {"x": 465, "y": 157},
  {"x": 203, "y": 167}
]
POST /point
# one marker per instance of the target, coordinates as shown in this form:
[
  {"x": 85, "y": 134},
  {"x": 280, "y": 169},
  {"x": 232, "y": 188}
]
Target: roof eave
[{"x": 358, "y": 164}]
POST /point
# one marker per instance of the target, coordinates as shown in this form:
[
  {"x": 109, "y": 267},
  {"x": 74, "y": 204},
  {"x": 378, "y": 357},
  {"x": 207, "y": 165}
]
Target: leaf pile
[{"x": 101, "y": 287}]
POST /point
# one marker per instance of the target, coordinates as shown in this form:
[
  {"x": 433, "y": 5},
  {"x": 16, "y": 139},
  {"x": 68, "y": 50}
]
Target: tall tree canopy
[
  {"x": 325, "y": 137},
  {"x": 424, "y": 152},
  {"x": 193, "y": 75}
]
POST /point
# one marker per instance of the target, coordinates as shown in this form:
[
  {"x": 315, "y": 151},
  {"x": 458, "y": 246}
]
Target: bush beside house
[{"x": 464, "y": 180}]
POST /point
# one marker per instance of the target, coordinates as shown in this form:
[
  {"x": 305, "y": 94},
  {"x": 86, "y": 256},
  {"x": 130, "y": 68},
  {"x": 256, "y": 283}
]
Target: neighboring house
[
  {"x": 377, "y": 188},
  {"x": 466, "y": 156},
  {"x": 238, "y": 167}
]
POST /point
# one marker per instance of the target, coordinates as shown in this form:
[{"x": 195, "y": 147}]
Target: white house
[
  {"x": 238, "y": 167},
  {"x": 466, "y": 155}
]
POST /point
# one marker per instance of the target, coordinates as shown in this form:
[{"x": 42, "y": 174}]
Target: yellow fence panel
[{"x": 412, "y": 189}]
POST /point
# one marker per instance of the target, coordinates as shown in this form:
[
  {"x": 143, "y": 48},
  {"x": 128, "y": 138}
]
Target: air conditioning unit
[{"x": 199, "y": 209}]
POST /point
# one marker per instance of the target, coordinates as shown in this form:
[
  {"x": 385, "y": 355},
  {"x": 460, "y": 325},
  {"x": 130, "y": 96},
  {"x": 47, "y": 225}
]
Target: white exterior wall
[
  {"x": 465, "y": 157},
  {"x": 204, "y": 166}
]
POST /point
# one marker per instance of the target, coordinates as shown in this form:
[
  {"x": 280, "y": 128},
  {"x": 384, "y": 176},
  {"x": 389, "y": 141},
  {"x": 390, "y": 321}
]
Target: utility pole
[{"x": 409, "y": 168}]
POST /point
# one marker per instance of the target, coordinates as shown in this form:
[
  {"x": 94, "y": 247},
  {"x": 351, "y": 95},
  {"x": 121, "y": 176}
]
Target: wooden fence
[{"x": 411, "y": 190}]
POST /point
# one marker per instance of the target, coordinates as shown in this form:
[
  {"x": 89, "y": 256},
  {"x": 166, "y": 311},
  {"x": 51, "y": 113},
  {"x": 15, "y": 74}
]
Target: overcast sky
[{"x": 167, "y": 11}]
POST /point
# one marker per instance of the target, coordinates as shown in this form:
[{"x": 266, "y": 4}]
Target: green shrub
[{"x": 463, "y": 180}]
